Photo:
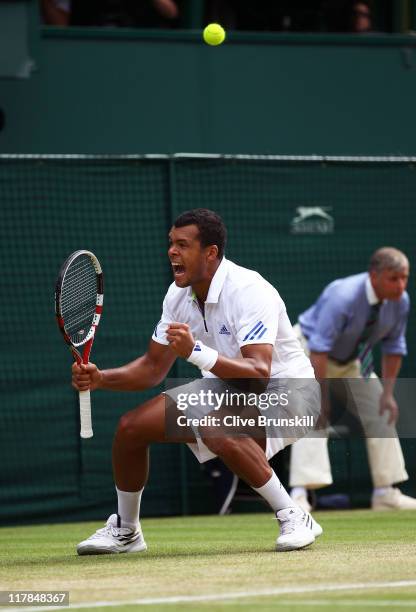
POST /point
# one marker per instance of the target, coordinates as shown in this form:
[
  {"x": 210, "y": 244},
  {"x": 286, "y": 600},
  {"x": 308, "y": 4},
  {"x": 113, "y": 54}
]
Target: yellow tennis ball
[{"x": 214, "y": 34}]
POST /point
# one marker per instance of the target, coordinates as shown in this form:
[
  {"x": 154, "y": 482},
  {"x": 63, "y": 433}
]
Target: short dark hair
[{"x": 210, "y": 226}]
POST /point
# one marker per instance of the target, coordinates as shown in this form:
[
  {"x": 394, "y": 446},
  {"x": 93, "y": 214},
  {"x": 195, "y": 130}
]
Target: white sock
[
  {"x": 275, "y": 494},
  {"x": 129, "y": 507},
  {"x": 381, "y": 490},
  {"x": 298, "y": 492}
]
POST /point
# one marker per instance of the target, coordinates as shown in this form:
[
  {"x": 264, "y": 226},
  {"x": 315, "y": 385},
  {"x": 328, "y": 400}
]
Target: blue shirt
[{"x": 335, "y": 322}]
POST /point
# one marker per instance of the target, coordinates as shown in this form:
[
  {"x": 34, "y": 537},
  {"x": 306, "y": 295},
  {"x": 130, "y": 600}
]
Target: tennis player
[{"x": 231, "y": 324}]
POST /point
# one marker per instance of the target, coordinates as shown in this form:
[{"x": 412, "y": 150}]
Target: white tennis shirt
[{"x": 241, "y": 308}]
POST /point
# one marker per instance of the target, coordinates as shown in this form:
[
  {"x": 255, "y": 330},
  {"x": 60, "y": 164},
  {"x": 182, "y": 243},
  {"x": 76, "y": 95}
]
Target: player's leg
[
  {"x": 136, "y": 430},
  {"x": 246, "y": 457}
]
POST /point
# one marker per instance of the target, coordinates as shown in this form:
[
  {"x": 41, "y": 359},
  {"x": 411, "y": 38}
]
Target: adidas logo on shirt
[{"x": 225, "y": 331}]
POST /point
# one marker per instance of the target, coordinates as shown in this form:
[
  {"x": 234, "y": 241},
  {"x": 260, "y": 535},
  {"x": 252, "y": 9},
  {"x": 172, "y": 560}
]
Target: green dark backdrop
[
  {"x": 80, "y": 90},
  {"x": 122, "y": 209},
  {"x": 109, "y": 91}
]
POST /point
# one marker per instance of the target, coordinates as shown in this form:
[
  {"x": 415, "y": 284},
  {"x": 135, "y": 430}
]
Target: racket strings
[
  {"x": 77, "y": 272},
  {"x": 78, "y": 299},
  {"x": 73, "y": 313},
  {"x": 78, "y": 286},
  {"x": 72, "y": 291},
  {"x": 80, "y": 321}
]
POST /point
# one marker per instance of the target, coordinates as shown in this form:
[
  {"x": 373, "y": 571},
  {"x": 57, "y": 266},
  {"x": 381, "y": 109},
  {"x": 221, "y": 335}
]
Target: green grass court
[{"x": 364, "y": 560}]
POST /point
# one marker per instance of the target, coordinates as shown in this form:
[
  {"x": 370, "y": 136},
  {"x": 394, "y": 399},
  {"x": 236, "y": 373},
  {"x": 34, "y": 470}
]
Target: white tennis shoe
[
  {"x": 113, "y": 539},
  {"x": 298, "y": 529}
]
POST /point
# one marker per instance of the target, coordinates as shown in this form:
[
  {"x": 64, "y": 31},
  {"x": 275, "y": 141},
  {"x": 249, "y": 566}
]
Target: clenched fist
[
  {"x": 85, "y": 376},
  {"x": 180, "y": 339}
]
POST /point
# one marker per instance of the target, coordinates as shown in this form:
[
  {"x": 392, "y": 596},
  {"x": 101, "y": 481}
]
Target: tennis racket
[{"x": 78, "y": 308}]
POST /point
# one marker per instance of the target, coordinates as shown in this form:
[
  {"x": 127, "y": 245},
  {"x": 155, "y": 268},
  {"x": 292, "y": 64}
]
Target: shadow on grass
[{"x": 75, "y": 560}]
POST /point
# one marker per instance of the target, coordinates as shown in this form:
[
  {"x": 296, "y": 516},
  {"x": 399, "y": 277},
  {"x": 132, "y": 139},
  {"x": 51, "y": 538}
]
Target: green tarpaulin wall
[{"x": 121, "y": 209}]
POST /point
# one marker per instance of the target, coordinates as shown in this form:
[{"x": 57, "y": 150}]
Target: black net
[{"x": 301, "y": 223}]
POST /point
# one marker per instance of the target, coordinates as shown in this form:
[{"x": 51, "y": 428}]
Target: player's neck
[
  {"x": 201, "y": 292},
  {"x": 201, "y": 288}
]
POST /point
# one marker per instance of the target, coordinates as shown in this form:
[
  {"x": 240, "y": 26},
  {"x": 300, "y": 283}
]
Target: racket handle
[{"x": 85, "y": 414}]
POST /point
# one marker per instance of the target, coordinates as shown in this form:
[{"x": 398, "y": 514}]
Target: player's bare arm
[
  {"x": 255, "y": 361},
  {"x": 143, "y": 373}
]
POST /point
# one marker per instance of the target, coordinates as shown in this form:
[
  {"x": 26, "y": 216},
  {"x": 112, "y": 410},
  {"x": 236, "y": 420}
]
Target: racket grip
[{"x": 85, "y": 414}]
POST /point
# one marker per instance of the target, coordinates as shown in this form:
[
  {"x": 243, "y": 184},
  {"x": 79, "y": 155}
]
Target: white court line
[
  {"x": 313, "y": 588},
  {"x": 374, "y": 603}
]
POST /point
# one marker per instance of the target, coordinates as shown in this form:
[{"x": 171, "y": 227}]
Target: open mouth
[{"x": 178, "y": 270}]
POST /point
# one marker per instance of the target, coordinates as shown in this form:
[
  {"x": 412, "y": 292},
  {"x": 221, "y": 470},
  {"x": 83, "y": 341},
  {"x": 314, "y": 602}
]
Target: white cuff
[{"x": 203, "y": 356}]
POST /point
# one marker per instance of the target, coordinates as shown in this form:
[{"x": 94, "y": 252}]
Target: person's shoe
[
  {"x": 296, "y": 529},
  {"x": 113, "y": 539},
  {"x": 316, "y": 528},
  {"x": 393, "y": 499},
  {"x": 301, "y": 500}
]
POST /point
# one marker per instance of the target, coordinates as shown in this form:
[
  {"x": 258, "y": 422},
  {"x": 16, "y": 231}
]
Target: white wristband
[{"x": 203, "y": 356}]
